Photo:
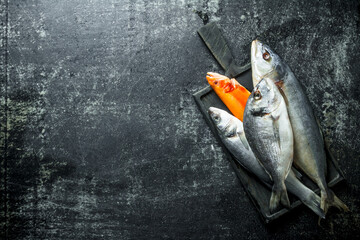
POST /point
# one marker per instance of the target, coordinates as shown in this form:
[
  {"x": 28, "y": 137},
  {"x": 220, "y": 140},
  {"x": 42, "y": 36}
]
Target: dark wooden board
[{"x": 257, "y": 191}]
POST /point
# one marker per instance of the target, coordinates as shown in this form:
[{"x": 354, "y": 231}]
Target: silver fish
[
  {"x": 268, "y": 131},
  {"x": 231, "y": 132},
  {"x": 309, "y": 152}
]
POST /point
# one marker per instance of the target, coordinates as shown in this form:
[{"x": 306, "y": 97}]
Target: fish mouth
[
  {"x": 213, "y": 113},
  {"x": 211, "y": 110},
  {"x": 255, "y": 48},
  {"x": 256, "y": 45},
  {"x": 210, "y": 78},
  {"x": 213, "y": 78}
]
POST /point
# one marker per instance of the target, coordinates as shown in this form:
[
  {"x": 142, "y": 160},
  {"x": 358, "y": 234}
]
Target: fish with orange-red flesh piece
[{"x": 231, "y": 93}]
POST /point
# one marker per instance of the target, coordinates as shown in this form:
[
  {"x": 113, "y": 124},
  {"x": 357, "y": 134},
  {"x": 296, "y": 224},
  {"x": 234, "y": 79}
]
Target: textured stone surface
[{"x": 100, "y": 136}]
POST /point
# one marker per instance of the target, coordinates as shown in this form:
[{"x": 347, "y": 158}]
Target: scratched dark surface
[{"x": 100, "y": 136}]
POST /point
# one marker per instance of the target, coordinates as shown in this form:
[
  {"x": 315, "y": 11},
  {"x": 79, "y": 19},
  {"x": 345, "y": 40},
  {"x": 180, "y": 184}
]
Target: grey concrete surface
[{"x": 100, "y": 136}]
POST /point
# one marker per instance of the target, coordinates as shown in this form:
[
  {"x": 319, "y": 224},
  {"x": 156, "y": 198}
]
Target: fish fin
[
  {"x": 279, "y": 194},
  {"x": 340, "y": 204},
  {"x": 279, "y": 85},
  {"x": 275, "y": 117},
  {"x": 329, "y": 199},
  {"x": 297, "y": 174},
  {"x": 285, "y": 199},
  {"x": 313, "y": 202},
  {"x": 274, "y": 200},
  {"x": 276, "y": 129},
  {"x": 244, "y": 141}
]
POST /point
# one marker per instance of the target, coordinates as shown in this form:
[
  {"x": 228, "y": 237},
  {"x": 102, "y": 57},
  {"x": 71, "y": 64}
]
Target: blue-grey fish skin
[
  {"x": 269, "y": 133},
  {"x": 232, "y": 134},
  {"x": 309, "y": 151},
  {"x": 238, "y": 146}
]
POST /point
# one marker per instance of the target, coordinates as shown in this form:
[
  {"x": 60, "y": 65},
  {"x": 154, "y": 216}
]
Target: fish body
[
  {"x": 269, "y": 133},
  {"x": 231, "y": 93},
  {"x": 309, "y": 150},
  {"x": 231, "y": 132}
]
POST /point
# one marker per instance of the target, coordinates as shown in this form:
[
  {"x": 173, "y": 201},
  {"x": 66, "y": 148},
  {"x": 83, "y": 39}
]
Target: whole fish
[
  {"x": 309, "y": 151},
  {"x": 231, "y": 93},
  {"x": 268, "y": 131},
  {"x": 232, "y": 134}
]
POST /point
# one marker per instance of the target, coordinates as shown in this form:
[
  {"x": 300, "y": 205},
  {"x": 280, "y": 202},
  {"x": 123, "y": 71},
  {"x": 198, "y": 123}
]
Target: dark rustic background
[{"x": 100, "y": 136}]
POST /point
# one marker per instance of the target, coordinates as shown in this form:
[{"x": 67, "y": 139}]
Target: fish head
[
  {"x": 226, "y": 123},
  {"x": 264, "y": 97},
  {"x": 264, "y": 62},
  {"x": 220, "y": 118},
  {"x": 220, "y": 82}
]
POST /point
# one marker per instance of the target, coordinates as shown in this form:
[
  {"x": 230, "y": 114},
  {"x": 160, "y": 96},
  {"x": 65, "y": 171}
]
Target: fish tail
[
  {"x": 329, "y": 199},
  {"x": 313, "y": 202},
  {"x": 340, "y": 204},
  {"x": 279, "y": 194}
]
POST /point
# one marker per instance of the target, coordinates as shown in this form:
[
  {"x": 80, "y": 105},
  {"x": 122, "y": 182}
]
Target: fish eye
[
  {"x": 257, "y": 95},
  {"x": 216, "y": 118},
  {"x": 216, "y": 82},
  {"x": 266, "y": 55},
  {"x": 230, "y": 135}
]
